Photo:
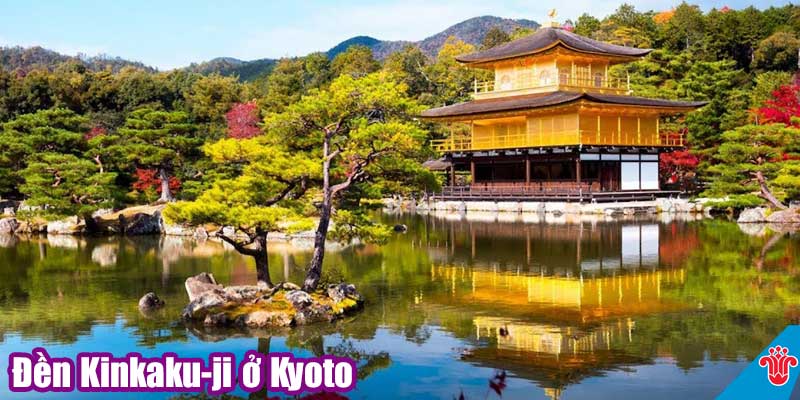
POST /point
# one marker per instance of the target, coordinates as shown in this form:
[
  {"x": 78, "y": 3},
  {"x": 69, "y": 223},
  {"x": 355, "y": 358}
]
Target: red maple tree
[
  {"x": 148, "y": 179},
  {"x": 97, "y": 130},
  {"x": 678, "y": 167},
  {"x": 783, "y": 107},
  {"x": 243, "y": 121}
]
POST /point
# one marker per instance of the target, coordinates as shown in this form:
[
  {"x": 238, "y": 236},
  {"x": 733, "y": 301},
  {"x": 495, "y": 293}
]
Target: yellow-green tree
[
  {"x": 270, "y": 193},
  {"x": 362, "y": 135}
]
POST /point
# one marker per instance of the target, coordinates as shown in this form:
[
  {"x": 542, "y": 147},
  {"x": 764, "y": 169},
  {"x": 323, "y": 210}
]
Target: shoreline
[{"x": 148, "y": 220}]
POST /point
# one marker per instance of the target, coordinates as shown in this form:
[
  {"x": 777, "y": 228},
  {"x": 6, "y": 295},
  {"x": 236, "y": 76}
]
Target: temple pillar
[
  {"x": 578, "y": 169},
  {"x": 527, "y": 170},
  {"x": 452, "y": 174},
  {"x": 472, "y": 171}
]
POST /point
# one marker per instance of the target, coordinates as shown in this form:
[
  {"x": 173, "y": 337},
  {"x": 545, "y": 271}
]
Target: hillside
[
  {"x": 358, "y": 40},
  {"x": 28, "y": 58},
  {"x": 228, "y": 66},
  {"x": 471, "y": 31}
]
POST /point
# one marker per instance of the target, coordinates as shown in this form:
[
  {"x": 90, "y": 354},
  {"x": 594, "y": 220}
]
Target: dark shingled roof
[
  {"x": 545, "y": 38},
  {"x": 539, "y": 100}
]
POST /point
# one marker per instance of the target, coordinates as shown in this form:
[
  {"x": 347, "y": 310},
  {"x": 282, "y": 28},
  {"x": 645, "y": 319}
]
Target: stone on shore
[
  {"x": 752, "y": 215},
  {"x": 66, "y": 226},
  {"x": 199, "y": 284},
  {"x": 8, "y": 225},
  {"x": 788, "y": 216},
  {"x": 261, "y": 307},
  {"x": 762, "y": 214}
]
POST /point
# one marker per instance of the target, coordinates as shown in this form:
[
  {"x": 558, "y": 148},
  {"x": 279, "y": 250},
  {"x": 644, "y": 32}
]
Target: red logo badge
[{"x": 778, "y": 363}]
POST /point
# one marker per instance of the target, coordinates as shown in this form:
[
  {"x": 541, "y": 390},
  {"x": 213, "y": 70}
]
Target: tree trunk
[
  {"x": 314, "y": 272},
  {"x": 259, "y": 253},
  {"x": 166, "y": 194},
  {"x": 262, "y": 260},
  {"x": 766, "y": 194}
]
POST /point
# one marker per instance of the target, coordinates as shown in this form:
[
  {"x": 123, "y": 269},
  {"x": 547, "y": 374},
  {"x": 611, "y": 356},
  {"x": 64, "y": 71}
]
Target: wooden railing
[
  {"x": 562, "y": 81},
  {"x": 534, "y": 191},
  {"x": 457, "y": 143}
]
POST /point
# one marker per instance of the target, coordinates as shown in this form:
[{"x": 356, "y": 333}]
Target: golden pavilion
[{"x": 554, "y": 124}]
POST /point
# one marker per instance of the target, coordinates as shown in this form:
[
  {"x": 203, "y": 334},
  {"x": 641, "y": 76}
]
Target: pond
[{"x": 595, "y": 309}]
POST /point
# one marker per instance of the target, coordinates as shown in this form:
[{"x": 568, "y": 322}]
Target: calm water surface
[{"x": 624, "y": 309}]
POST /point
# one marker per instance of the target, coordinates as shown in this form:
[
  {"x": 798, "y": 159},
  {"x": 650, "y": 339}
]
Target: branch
[
  {"x": 57, "y": 180},
  {"x": 334, "y": 153},
  {"x": 358, "y": 169},
  {"x": 282, "y": 195},
  {"x": 239, "y": 246},
  {"x": 99, "y": 163}
]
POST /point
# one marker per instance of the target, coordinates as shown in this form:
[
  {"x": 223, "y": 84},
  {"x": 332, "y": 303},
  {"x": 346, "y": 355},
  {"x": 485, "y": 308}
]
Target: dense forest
[{"x": 79, "y": 134}]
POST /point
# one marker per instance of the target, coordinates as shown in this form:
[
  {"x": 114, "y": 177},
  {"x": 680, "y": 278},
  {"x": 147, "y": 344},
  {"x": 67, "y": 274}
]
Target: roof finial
[{"x": 552, "y": 14}]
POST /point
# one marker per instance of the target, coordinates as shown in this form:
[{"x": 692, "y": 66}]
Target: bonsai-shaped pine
[
  {"x": 153, "y": 139},
  {"x": 754, "y": 157},
  {"x": 28, "y": 136},
  {"x": 65, "y": 185},
  {"x": 270, "y": 193},
  {"x": 41, "y": 155},
  {"x": 363, "y": 138}
]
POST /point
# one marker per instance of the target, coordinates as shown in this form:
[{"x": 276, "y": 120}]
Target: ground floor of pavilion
[{"x": 565, "y": 174}]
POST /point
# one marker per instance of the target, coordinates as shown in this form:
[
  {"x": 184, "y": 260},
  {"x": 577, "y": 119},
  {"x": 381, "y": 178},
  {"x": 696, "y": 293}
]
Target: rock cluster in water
[{"x": 262, "y": 307}]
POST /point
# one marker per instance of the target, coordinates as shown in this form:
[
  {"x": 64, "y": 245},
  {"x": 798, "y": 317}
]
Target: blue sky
[{"x": 169, "y": 34}]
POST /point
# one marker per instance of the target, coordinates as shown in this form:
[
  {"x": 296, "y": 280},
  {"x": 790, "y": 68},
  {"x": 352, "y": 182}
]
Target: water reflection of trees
[
  {"x": 732, "y": 293},
  {"x": 57, "y": 288}
]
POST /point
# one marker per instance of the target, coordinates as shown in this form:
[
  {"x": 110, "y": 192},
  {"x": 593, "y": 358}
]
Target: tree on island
[
  {"x": 362, "y": 136},
  {"x": 269, "y": 194},
  {"x": 153, "y": 139}
]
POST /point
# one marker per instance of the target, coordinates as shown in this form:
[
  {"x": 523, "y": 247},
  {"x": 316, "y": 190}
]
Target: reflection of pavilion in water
[
  {"x": 562, "y": 250},
  {"x": 554, "y": 303}
]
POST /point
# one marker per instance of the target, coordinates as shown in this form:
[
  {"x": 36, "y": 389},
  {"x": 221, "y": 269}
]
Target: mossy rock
[{"x": 269, "y": 308}]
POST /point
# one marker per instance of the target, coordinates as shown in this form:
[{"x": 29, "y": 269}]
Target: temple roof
[
  {"x": 545, "y": 39},
  {"x": 539, "y": 100}
]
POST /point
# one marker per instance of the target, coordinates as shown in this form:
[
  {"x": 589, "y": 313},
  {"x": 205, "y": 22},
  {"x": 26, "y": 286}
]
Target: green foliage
[
  {"x": 494, "y": 37},
  {"x": 770, "y": 150},
  {"x": 374, "y": 142},
  {"x": 28, "y": 136},
  {"x": 737, "y": 202},
  {"x": 409, "y": 66},
  {"x": 156, "y": 139},
  {"x": 685, "y": 29},
  {"x": 64, "y": 185},
  {"x": 210, "y": 97},
  {"x": 252, "y": 200},
  {"x": 357, "y": 61},
  {"x": 294, "y": 77},
  {"x": 765, "y": 84},
  {"x": 587, "y": 25},
  {"x": 777, "y": 52},
  {"x": 453, "y": 81}
]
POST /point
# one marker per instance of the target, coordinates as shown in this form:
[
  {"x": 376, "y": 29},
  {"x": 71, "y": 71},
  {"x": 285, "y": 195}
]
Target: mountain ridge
[{"x": 471, "y": 31}]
